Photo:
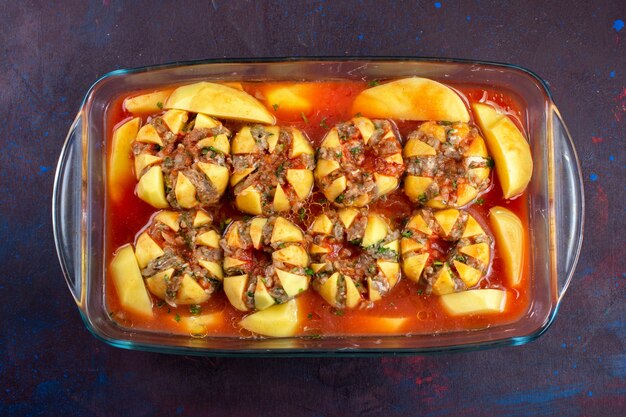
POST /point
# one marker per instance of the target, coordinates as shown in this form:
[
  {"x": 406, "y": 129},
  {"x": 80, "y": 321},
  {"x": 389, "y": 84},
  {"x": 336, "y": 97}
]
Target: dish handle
[
  {"x": 67, "y": 210},
  {"x": 569, "y": 203}
]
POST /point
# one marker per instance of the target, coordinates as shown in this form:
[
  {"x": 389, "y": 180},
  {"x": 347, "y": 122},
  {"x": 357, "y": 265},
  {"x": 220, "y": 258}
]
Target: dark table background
[{"x": 51, "y": 365}]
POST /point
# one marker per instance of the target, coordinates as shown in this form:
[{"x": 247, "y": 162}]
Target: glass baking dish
[{"x": 556, "y": 202}]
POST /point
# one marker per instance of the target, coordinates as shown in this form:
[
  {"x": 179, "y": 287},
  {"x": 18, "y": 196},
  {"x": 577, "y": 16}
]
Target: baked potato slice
[
  {"x": 509, "y": 148},
  {"x": 219, "y": 101},
  {"x": 129, "y": 283},
  {"x": 411, "y": 99}
]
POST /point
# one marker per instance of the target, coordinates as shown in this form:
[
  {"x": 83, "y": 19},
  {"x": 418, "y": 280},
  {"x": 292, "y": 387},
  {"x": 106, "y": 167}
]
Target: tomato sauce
[{"x": 331, "y": 103}]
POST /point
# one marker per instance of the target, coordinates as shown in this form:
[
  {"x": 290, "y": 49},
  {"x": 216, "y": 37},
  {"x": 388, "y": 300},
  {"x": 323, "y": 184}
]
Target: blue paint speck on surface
[
  {"x": 611, "y": 158},
  {"x": 361, "y": 36},
  {"x": 590, "y": 394},
  {"x": 593, "y": 176},
  {"x": 43, "y": 169},
  {"x": 417, "y": 38},
  {"x": 617, "y": 25},
  {"x": 612, "y": 74},
  {"x": 563, "y": 345},
  {"x": 468, "y": 18},
  {"x": 438, "y": 5}
]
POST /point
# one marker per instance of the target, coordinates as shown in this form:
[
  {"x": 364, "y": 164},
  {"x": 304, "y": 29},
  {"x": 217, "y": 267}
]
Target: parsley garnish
[
  {"x": 356, "y": 150},
  {"x": 374, "y": 83},
  {"x": 422, "y": 198},
  {"x": 437, "y": 263},
  {"x": 480, "y": 200},
  {"x": 195, "y": 309},
  {"x": 490, "y": 163},
  {"x": 358, "y": 115},
  {"x": 323, "y": 123},
  {"x": 250, "y": 294},
  {"x": 407, "y": 233},
  {"x": 340, "y": 199},
  {"x": 339, "y": 313},
  {"x": 177, "y": 317},
  {"x": 306, "y": 120},
  {"x": 275, "y": 106},
  {"x": 280, "y": 169},
  {"x": 301, "y": 214},
  {"x": 308, "y": 271},
  {"x": 309, "y": 316},
  {"x": 160, "y": 105}
]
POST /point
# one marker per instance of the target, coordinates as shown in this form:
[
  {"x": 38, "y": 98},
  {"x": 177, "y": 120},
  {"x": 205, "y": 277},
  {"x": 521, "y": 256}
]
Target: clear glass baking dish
[{"x": 556, "y": 202}]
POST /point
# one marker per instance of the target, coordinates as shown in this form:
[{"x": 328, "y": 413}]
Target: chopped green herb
[
  {"x": 407, "y": 233},
  {"x": 437, "y": 263},
  {"x": 160, "y": 303},
  {"x": 250, "y": 294},
  {"x": 374, "y": 83},
  {"x": 355, "y": 151},
  {"x": 358, "y": 115},
  {"x": 480, "y": 200},
  {"x": 195, "y": 309},
  {"x": 339, "y": 313},
  {"x": 420, "y": 292},
  {"x": 308, "y": 271},
  {"x": 309, "y": 316},
  {"x": 301, "y": 214},
  {"x": 177, "y": 317},
  {"x": 315, "y": 336},
  {"x": 306, "y": 120},
  {"x": 280, "y": 169},
  {"x": 340, "y": 199},
  {"x": 338, "y": 154},
  {"x": 275, "y": 106},
  {"x": 323, "y": 123},
  {"x": 490, "y": 163},
  {"x": 160, "y": 105},
  {"x": 446, "y": 123},
  {"x": 355, "y": 241},
  {"x": 454, "y": 183},
  {"x": 460, "y": 258},
  {"x": 422, "y": 198}
]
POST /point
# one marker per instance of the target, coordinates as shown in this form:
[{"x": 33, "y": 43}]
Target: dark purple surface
[{"x": 51, "y": 365}]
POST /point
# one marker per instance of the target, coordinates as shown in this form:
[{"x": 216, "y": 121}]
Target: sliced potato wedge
[
  {"x": 219, "y": 101},
  {"x": 277, "y": 321},
  {"x": 128, "y": 283},
  {"x": 511, "y": 152},
  {"x": 120, "y": 163},
  {"x": 509, "y": 233},
  {"x": 412, "y": 99},
  {"x": 480, "y": 301},
  {"x": 147, "y": 103}
]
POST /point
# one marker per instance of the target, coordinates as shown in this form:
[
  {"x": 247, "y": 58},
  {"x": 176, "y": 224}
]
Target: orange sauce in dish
[{"x": 331, "y": 103}]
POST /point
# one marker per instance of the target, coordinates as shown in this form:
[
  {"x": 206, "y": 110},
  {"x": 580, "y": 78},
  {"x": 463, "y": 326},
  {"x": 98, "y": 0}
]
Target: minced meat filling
[
  {"x": 270, "y": 169},
  {"x": 182, "y": 254},
  {"x": 449, "y": 168},
  {"x": 359, "y": 161},
  {"x": 444, "y": 250},
  {"x": 179, "y": 153},
  {"x": 349, "y": 258}
]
